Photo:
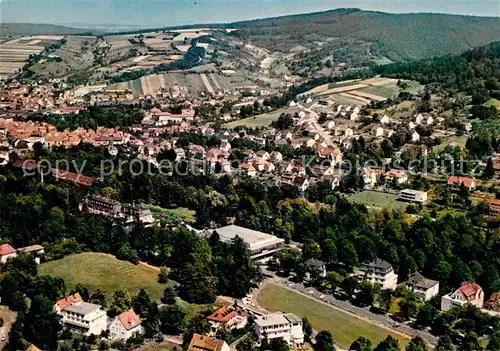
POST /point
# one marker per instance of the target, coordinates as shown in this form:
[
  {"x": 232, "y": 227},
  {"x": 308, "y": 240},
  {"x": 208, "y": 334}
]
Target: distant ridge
[
  {"x": 397, "y": 36},
  {"x": 40, "y": 29}
]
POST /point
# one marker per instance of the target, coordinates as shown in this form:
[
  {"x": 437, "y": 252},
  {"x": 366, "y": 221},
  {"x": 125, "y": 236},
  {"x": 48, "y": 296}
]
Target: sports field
[
  {"x": 105, "y": 272},
  {"x": 344, "y": 327},
  {"x": 378, "y": 200}
]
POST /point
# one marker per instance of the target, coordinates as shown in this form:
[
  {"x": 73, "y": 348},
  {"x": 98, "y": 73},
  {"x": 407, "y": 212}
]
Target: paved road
[{"x": 377, "y": 319}]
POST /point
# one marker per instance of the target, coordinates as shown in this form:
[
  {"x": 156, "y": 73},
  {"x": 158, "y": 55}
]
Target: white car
[
  {"x": 310, "y": 292},
  {"x": 321, "y": 296}
]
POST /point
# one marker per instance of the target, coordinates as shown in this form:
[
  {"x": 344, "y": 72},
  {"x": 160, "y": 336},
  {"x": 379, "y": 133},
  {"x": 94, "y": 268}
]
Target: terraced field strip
[
  {"x": 367, "y": 95},
  {"x": 216, "y": 83},
  {"x": 343, "y": 89},
  {"x": 350, "y": 95},
  {"x": 207, "y": 83}
]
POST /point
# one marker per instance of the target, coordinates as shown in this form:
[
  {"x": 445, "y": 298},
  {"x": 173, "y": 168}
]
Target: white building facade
[
  {"x": 278, "y": 325},
  {"x": 380, "y": 272}
]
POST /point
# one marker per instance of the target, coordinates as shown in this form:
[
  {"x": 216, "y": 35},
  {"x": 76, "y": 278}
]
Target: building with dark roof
[
  {"x": 378, "y": 272},
  {"x": 421, "y": 286}
]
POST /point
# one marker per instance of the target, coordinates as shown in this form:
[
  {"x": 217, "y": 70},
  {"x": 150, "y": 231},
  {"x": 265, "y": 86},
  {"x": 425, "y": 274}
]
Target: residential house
[
  {"x": 316, "y": 268},
  {"x": 467, "y": 293},
  {"x": 421, "y": 286},
  {"x": 370, "y": 177},
  {"x": 493, "y": 303},
  {"x": 330, "y": 125},
  {"x": 206, "y": 343},
  {"x": 455, "y": 183},
  {"x": 278, "y": 325},
  {"x": 424, "y": 119},
  {"x": 248, "y": 169},
  {"x": 33, "y": 250},
  {"x": 125, "y": 326},
  {"x": 80, "y": 316},
  {"x": 260, "y": 141},
  {"x": 302, "y": 183},
  {"x": 385, "y": 120},
  {"x": 284, "y": 134},
  {"x": 276, "y": 156},
  {"x": 494, "y": 207},
  {"x": 32, "y": 347},
  {"x": 415, "y": 137},
  {"x": 284, "y": 167},
  {"x": 226, "y": 317},
  {"x": 396, "y": 175},
  {"x": 321, "y": 171},
  {"x": 380, "y": 272},
  {"x": 411, "y": 125},
  {"x": 378, "y": 132},
  {"x": 263, "y": 154},
  {"x": 334, "y": 180},
  {"x": 225, "y": 145},
  {"x": 7, "y": 252}
]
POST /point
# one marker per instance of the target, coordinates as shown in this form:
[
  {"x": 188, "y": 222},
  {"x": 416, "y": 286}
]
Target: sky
[{"x": 162, "y": 13}]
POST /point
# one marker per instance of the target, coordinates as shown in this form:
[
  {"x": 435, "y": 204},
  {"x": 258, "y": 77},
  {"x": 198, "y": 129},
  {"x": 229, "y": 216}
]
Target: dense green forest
[
  {"x": 397, "y": 36},
  {"x": 476, "y": 71},
  {"x": 93, "y": 117}
]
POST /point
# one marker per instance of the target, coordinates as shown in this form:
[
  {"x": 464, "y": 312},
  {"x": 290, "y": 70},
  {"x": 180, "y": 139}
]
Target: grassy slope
[
  {"x": 344, "y": 328},
  {"x": 105, "y": 272},
  {"x": 397, "y": 36}
]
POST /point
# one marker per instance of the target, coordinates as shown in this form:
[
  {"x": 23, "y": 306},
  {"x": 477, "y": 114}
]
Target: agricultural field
[
  {"x": 183, "y": 40},
  {"x": 344, "y": 327},
  {"x": 14, "y": 53},
  {"x": 76, "y": 55},
  {"x": 105, "y": 272},
  {"x": 361, "y": 92},
  {"x": 378, "y": 200},
  {"x": 194, "y": 83}
]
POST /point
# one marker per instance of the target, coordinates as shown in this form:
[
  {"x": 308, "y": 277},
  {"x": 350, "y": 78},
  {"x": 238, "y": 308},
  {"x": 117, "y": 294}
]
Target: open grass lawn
[
  {"x": 262, "y": 120},
  {"x": 344, "y": 327},
  {"x": 105, "y": 272},
  {"x": 375, "y": 199}
]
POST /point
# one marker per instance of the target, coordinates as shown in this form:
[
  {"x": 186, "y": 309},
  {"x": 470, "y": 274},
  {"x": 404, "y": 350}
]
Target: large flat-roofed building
[
  {"x": 261, "y": 245},
  {"x": 286, "y": 326},
  {"x": 412, "y": 195}
]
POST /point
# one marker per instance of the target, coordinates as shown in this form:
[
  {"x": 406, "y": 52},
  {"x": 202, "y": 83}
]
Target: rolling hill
[
  {"x": 397, "y": 36},
  {"x": 476, "y": 71}
]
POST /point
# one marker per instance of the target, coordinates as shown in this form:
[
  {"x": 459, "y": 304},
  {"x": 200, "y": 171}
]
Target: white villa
[
  {"x": 125, "y": 326},
  {"x": 423, "y": 287},
  {"x": 467, "y": 293},
  {"x": 379, "y": 271},
  {"x": 81, "y": 317}
]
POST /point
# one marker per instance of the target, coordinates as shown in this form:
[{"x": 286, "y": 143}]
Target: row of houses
[{"x": 87, "y": 318}]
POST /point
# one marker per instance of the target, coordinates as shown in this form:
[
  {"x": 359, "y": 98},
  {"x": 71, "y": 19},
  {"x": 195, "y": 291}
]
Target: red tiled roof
[
  {"x": 223, "y": 315},
  {"x": 63, "y": 303},
  {"x": 205, "y": 343},
  {"x": 25, "y": 164},
  {"x": 129, "y": 319},
  {"x": 469, "y": 290},
  {"x": 466, "y": 181},
  {"x": 6, "y": 249}
]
